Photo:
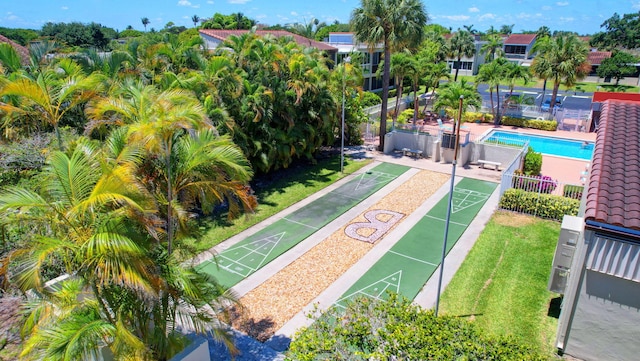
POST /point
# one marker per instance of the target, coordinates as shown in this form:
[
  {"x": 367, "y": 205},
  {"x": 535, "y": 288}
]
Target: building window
[
  {"x": 515, "y": 49},
  {"x": 462, "y": 65}
]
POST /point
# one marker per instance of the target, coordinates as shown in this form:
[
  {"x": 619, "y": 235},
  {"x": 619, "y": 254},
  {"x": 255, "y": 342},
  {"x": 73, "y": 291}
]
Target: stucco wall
[{"x": 606, "y": 323}]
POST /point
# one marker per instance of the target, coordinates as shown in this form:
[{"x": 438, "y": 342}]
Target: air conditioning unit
[{"x": 570, "y": 233}]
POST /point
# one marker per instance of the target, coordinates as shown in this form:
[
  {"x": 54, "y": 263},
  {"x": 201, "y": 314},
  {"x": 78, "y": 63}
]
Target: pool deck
[{"x": 564, "y": 170}]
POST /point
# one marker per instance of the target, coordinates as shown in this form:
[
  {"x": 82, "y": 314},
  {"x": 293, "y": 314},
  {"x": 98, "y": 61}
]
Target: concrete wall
[
  {"x": 606, "y": 323},
  {"x": 401, "y": 139},
  {"x": 494, "y": 153},
  {"x": 198, "y": 350}
]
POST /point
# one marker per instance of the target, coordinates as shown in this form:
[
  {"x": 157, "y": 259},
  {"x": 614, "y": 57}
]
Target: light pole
[
  {"x": 344, "y": 85},
  {"x": 450, "y": 203}
]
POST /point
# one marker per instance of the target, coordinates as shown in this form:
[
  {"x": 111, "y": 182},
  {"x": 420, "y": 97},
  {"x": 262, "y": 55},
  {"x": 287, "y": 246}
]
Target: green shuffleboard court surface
[
  {"x": 257, "y": 250},
  {"x": 409, "y": 264}
]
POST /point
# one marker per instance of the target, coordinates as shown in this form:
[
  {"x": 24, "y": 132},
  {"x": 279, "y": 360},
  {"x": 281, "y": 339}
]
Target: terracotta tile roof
[
  {"x": 22, "y": 51},
  {"x": 613, "y": 195},
  {"x": 301, "y": 40},
  {"x": 520, "y": 39},
  {"x": 596, "y": 57}
]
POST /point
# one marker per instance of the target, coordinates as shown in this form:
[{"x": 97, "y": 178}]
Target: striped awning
[{"x": 614, "y": 257}]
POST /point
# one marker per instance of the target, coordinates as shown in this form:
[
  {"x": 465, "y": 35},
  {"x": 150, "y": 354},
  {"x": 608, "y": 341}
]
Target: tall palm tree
[
  {"x": 562, "y": 59},
  {"x": 493, "y": 47},
  {"x": 461, "y": 45},
  {"x": 145, "y": 22},
  {"x": 433, "y": 73},
  {"x": 399, "y": 69},
  {"x": 195, "y": 19},
  {"x": 393, "y": 23},
  {"x": 493, "y": 73}
]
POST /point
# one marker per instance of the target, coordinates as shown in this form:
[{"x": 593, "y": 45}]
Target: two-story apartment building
[{"x": 371, "y": 58}]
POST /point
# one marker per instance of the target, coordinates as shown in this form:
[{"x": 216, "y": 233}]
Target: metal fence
[{"x": 535, "y": 193}]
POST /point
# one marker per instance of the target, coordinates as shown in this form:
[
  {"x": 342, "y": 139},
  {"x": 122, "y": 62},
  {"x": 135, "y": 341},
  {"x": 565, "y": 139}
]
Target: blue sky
[{"x": 582, "y": 16}]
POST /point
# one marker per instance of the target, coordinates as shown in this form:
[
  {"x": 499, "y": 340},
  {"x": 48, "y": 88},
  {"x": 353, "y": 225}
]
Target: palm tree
[
  {"x": 195, "y": 19},
  {"x": 449, "y": 97},
  {"x": 157, "y": 120},
  {"x": 562, "y": 59},
  {"x": 51, "y": 93},
  {"x": 506, "y": 29},
  {"x": 514, "y": 72},
  {"x": 493, "y": 47},
  {"x": 399, "y": 69},
  {"x": 145, "y": 22},
  {"x": 543, "y": 31},
  {"x": 461, "y": 45},
  {"x": 392, "y": 23},
  {"x": 434, "y": 72},
  {"x": 97, "y": 224},
  {"x": 493, "y": 73}
]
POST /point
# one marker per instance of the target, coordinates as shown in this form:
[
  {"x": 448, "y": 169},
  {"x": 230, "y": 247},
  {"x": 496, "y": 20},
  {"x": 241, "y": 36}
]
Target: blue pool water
[{"x": 546, "y": 145}]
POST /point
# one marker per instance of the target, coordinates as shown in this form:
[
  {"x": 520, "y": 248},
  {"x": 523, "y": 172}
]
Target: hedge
[
  {"x": 395, "y": 329},
  {"x": 541, "y": 205},
  {"x": 551, "y": 125}
]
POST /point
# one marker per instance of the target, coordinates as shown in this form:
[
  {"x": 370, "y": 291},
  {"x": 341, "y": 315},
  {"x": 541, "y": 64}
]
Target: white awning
[{"x": 615, "y": 258}]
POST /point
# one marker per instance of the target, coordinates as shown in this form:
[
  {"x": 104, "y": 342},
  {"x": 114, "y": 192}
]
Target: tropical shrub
[
  {"x": 550, "y": 125},
  {"x": 473, "y": 116},
  {"x": 370, "y": 99},
  {"x": 396, "y": 329},
  {"x": 532, "y": 162},
  {"x": 541, "y": 205},
  {"x": 514, "y": 122}
]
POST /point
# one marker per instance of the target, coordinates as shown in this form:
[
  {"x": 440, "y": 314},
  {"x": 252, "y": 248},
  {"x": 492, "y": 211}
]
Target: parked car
[{"x": 546, "y": 104}]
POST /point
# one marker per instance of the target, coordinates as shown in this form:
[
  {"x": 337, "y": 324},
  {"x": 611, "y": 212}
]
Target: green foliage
[
  {"x": 370, "y": 99},
  {"x": 550, "y": 125},
  {"x": 532, "y": 162},
  {"x": 396, "y": 329},
  {"x": 620, "y": 32},
  {"x": 76, "y": 34},
  {"x": 620, "y": 65},
  {"x": 473, "y": 116},
  {"x": 230, "y": 22},
  {"x": 404, "y": 116},
  {"x": 542, "y": 205},
  {"x": 20, "y": 36}
]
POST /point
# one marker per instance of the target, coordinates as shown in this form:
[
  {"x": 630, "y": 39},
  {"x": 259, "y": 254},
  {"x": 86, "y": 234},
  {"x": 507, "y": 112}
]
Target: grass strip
[{"x": 502, "y": 284}]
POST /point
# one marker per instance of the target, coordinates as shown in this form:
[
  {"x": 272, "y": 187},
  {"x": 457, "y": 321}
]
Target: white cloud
[
  {"x": 210, "y": 2},
  {"x": 184, "y": 3},
  {"x": 261, "y": 16},
  {"x": 546, "y": 8},
  {"x": 562, "y": 3},
  {"x": 238, "y": 1},
  {"x": 293, "y": 13},
  {"x": 635, "y": 5},
  {"x": 65, "y": 8},
  {"x": 487, "y": 16},
  {"x": 456, "y": 17},
  {"x": 567, "y": 19},
  {"x": 474, "y": 10}
]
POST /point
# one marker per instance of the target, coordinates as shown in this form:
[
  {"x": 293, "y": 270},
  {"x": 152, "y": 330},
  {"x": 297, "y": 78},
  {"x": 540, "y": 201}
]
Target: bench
[
  {"x": 488, "y": 162},
  {"x": 416, "y": 153}
]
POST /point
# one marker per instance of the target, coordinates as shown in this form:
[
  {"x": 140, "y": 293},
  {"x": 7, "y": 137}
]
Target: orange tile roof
[
  {"x": 301, "y": 40},
  {"x": 596, "y": 57},
  {"x": 613, "y": 195},
  {"x": 520, "y": 39}
]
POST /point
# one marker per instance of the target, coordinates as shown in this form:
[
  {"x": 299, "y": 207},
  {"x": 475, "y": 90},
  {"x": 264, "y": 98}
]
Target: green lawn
[
  {"x": 275, "y": 192},
  {"x": 502, "y": 284}
]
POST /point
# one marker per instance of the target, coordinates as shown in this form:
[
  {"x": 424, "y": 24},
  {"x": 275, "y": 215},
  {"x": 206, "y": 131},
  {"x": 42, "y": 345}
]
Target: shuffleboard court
[
  {"x": 409, "y": 264},
  {"x": 257, "y": 250}
]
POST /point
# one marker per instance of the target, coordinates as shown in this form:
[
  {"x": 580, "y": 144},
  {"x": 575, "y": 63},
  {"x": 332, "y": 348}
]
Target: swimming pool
[{"x": 546, "y": 145}]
